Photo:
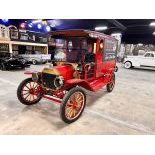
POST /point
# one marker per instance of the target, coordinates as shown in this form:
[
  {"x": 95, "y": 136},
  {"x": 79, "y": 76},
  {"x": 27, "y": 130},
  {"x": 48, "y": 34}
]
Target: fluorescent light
[
  {"x": 140, "y": 44},
  {"x": 116, "y": 34},
  {"x": 152, "y": 24},
  {"x": 36, "y": 21},
  {"x": 153, "y": 33},
  {"x": 101, "y": 28}
]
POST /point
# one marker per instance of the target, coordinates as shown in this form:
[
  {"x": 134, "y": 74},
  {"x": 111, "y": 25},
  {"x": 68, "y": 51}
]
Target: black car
[{"x": 9, "y": 61}]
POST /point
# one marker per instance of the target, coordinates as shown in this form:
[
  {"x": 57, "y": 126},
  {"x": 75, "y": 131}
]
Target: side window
[
  {"x": 110, "y": 48},
  {"x": 147, "y": 55},
  {"x": 151, "y": 55}
]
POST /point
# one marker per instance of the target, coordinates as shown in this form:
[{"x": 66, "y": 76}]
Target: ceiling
[{"x": 133, "y": 30}]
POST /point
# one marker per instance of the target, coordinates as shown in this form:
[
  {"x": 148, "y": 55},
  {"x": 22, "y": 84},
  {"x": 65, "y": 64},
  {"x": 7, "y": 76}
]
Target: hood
[
  {"x": 66, "y": 71},
  {"x": 13, "y": 61}
]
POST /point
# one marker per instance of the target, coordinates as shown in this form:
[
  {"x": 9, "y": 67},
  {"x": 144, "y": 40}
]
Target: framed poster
[{"x": 110, "y": 49}]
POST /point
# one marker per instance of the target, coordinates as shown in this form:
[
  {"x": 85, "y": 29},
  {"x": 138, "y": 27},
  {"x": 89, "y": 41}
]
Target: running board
[{"x": 52, "y": 98}]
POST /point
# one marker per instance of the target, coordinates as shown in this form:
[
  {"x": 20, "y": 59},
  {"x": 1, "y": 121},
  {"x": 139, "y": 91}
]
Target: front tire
[
  {"x": 73, "y": 105},
  {"x": 29, "y": 92},
  {"x": 128, "y": 65}
]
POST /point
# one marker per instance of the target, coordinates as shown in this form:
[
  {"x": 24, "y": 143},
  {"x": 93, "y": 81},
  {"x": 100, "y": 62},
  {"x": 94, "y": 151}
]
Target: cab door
[{"x": 106, "y": 57}]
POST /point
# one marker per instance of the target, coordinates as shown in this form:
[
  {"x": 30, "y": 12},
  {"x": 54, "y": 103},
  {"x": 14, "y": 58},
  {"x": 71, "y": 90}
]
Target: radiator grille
[{"x": 48, "y": 80}]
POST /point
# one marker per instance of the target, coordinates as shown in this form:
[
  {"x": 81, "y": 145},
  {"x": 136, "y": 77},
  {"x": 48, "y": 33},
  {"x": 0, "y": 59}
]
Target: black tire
[
  {"x": 23, "y": 67},
  {"x": 128, "y": 65},
  {"x": 65, "y": 101},
  {"x": 116, "y": 69},
  {"x": 2, "y": 67},
  {"x": 20, "y": 96},
  {"x": 111, "y": 84},
  {"x": 34, "y": 62}
]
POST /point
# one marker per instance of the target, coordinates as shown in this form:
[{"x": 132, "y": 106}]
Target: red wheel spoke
[
  {"x": 25, "y": 90},
  {"x": 30, "y": 85},
  {"x": 27, "y": 87},
  {"x": 27, "y": 96},
  {"x": 26, "y": 93},
  {"x": 33, "y": 97},
  {"x": 74, "y": 105},
  {"x": 36, "y": 86},
  {"x": 30, "y": 92}
]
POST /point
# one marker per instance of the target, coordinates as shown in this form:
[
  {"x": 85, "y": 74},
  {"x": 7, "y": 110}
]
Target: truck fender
[
  {"x": 77, "y": 82},
  {"x": 28, "y": 73}
]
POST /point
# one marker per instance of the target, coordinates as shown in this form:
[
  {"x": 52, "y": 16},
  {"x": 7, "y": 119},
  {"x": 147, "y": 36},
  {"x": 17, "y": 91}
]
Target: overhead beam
[{"x": 117, "y": 24}]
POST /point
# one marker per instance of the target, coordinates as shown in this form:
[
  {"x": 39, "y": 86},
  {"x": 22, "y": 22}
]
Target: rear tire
[
  {"x": 128, "y": 65},
  {"x": 111, "y": 84},
  {"x": 2, "y": 67},
  {"x": 25, "y": 94},
  {"x": 34, "y": 62},
  {"x": 73, "y": 105},
  {"x": 116, "y": 69}
]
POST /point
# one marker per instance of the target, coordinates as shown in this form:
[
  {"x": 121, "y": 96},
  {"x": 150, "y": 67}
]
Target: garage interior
[{"x": 129, "y": 109}]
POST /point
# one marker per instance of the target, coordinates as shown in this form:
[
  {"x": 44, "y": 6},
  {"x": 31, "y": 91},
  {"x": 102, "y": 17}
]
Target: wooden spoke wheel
[
  {"x": 73, "y": 105},
  {"x": 111, "y": 84},
  {"x": 29, "y": 92}
]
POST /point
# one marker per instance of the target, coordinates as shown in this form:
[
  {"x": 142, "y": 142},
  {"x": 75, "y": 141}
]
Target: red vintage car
[{"x": 81, "y": 60}]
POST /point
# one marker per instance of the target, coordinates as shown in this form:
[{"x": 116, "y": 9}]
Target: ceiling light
[
  {"x": 116, "y": 34},
  {"x": 22, "y": 25},
  {"x": 152, "y": 24},
  {"x": 101, "y": 28},
  {"x": 140, "y": 44},
  {"x": 53, "y": 25},
  {"x": 48, "y": 28},
  {"x": 39, "y": 26},
  {"x": 153, "y": 33},
  {"x": 5, "y": 20},
  {"x": 30, "y": 25}
]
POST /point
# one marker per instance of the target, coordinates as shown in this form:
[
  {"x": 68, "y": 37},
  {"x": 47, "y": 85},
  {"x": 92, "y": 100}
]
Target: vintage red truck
[{"x": 82, "y": 60}]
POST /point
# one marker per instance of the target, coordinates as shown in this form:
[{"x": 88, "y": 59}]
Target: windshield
[{"x": 69, "y": 49}]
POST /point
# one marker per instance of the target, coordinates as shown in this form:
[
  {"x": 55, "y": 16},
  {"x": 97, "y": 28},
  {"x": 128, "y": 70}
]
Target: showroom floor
[{"x": 129, "y": 109}]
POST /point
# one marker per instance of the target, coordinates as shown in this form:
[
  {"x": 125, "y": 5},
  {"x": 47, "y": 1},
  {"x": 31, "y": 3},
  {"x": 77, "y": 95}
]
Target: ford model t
[{"x": 81, "y": 60}]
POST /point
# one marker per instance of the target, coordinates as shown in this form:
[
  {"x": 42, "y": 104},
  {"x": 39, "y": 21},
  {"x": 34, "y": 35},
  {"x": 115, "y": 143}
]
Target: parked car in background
[
  {"x": 9, "y": 61},
  {"x": 37, "y": 57},
  {"x": 146, "y": 60}
]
